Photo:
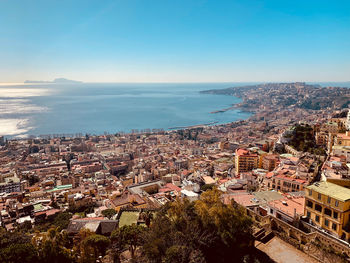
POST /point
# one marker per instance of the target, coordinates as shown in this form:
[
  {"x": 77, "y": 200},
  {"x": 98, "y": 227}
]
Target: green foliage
[
  {"x": 203, "y": 231},
  {"x": 18, "y": 253},
  {"x": 52, "y": 246},
  {"x": 303, "y": 140},
  {"x": 62, "y": 220},
  {"x": 16, "y": 247},
  {"x": 93, "y": 246},
  {"x": 206, "y": 187},
  {"x": 147, "y": 216},
  {"x": 25, "y": 227},
  {"x": 129, "y": 237},
  {"x": 32, "y": 179},
  {"x": 85, "y": 209},
  {"x": 109, "y": 213}
]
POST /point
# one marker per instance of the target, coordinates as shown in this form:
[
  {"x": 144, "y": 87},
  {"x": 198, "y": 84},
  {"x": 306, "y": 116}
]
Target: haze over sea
[
  {"x": 93, "y": 108},
  {"x": 40, "y": 109}
]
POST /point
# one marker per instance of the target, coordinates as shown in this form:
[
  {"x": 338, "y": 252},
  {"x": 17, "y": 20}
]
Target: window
[
  {"x": 308, "y": 214},
  {"x": 318, "y": 208},
  {"x": 317, "y": 218},
  {"x": 328, "y": 212},
  {"x": 335, "y": 215},
  {"x": 328, "y": 200},
  {"x": 326, "y": 222},
  {"x": 310, "y": 192},
  {"x": 336, "y": 203},
  {"x": 334, "y": 226},
  {"x": 309, "y": 204},
  {"x": 319, "y": 196}
]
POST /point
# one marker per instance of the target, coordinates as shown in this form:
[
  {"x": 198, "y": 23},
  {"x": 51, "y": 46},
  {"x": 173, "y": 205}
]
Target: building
[
  {"x": 269, "y": 162},
  {"x": 11, "y": 184},
  {"x": 322, "y": 138},
  {"x": 330, "y": 127},
  {"x": 287, "y": 184},
  {"x": 348, "y": 121},
  {"x": 342, "y": 139},
  {"x": 245, "y": 161},
  {"x": 342, "y": 151},
  {"x": 327, "y": 205}
]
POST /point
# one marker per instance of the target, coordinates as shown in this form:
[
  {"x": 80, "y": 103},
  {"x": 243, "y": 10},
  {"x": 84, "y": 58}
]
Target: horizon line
[{"x": 162, "y": 82}]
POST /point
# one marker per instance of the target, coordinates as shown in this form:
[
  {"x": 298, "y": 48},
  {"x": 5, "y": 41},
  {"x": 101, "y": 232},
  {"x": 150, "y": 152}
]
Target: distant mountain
[{"x": 57, "y": 80}]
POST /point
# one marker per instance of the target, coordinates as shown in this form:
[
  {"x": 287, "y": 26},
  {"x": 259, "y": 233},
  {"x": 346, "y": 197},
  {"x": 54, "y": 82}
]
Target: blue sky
[{"x": 175, "y": 40}]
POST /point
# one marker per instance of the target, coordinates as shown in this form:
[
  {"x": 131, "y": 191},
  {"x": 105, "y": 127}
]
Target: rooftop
[{"x": 333, "y": 190}]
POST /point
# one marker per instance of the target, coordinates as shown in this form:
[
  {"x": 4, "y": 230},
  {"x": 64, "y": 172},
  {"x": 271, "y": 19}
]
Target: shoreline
[{"x": 28, "y": 135}]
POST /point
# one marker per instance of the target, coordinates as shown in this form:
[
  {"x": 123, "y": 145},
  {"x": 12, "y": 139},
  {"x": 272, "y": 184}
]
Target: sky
[{"x": 175, "y": 40}]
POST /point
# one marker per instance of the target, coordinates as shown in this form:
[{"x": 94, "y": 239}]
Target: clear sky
[{"x": 175, "y": 40}]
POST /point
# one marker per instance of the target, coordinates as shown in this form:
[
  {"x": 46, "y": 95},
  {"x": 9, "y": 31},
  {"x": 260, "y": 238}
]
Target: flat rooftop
[{"x": 333, "y": 190}]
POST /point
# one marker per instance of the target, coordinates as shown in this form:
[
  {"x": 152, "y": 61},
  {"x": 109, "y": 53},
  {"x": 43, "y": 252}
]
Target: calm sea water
[
  {"x": 43, "y": 109},
  {"x": 97, "y": 108}
]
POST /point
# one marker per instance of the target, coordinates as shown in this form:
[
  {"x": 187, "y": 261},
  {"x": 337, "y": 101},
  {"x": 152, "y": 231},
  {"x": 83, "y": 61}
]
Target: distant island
[{"x": 57, "y": 80}]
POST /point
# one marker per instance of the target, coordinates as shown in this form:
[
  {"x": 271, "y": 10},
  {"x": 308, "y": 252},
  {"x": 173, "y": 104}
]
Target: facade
[
  {"x": 348, "y": 121},
  {"x": 342, "y": 151},
  {"x": 322, "y": 138},
  {"x": 342, "y": 139},
  {"x": 330, "y": 127},
  {"x": 269, "y": 162},
  {"x": 11, "y": 184},
  {"x": 286, "y": 184},
  {"x": 327, "y": 205},
  {"x": 245, "y": 161}
]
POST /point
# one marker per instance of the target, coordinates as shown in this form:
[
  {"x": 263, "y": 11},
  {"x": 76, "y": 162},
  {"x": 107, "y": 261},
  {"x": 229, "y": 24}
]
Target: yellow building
[
  {"x": 342, "y": 139},
  {"x": 327, "y": 205},
  {"x": 245, "y": 161}
]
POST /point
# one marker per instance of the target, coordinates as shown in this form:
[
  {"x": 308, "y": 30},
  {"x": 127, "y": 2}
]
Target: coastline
[{"x": 116, "y": 109}]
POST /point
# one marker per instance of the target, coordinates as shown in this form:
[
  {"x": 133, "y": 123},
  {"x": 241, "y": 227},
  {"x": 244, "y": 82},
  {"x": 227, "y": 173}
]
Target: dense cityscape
[{"x": 283, "y": 175}]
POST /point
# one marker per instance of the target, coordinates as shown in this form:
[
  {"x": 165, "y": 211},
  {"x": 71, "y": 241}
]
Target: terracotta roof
[
  {"x": 244, "y": 199},
  {"x": 289, "y": 205}
]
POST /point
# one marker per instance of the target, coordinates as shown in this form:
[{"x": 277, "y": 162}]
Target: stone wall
[{"x": 321, "y": 246}]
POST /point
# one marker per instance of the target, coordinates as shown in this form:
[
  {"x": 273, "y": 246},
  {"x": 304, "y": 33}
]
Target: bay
[{"x": 95, "y": 108}]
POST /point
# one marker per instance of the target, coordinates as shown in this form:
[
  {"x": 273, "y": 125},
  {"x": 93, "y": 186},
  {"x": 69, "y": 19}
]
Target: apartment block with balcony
[
  {"x": 327, "y": 205},
  {"x": 245, "y": 161}
]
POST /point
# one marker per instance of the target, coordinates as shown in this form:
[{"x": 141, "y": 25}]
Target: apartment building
[
  {"x": 245, "y": 161},
  {"x": 327, "y": 205}
]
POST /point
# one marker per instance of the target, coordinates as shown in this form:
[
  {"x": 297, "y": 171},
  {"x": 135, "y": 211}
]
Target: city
[{"x": 289, "y": 172}]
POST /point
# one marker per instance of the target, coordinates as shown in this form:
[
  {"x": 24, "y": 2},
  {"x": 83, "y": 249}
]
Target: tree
[
  {"x": 68, "y": 158},
  {"x": 52, "y": 246},
  {"x": 92, "y": 247},
  {"x": 62, "y": 220},
  {"x": 206, "y": 230},
  {"x": 129, "y": 237},
  {"x": 109, "y": 213},
  {"x": 16, "y": 247},
  {"x": 147, "y": 216},
  {"x": 25, "y": 227}
]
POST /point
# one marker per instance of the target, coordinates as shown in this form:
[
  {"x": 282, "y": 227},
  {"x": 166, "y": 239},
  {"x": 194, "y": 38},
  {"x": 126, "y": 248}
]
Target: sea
[{"x": 98, "y": 108}]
